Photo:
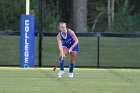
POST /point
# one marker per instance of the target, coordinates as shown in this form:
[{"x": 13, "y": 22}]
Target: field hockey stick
[{"x": 55, "y": 66}]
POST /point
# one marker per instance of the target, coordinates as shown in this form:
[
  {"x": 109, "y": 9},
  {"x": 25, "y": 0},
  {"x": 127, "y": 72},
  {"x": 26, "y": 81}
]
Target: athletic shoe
[
  {"x": 71, "y": 75},
  {"x": 60, "y": 74}
]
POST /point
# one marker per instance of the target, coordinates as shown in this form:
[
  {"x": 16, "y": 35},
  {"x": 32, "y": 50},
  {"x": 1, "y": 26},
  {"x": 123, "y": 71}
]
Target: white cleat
[
  {"x": 71, "y": 75},
  {"x": 60, "y": 74}
]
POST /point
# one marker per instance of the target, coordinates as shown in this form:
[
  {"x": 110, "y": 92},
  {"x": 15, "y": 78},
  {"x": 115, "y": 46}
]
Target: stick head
[{"x": 54, "y": 68}]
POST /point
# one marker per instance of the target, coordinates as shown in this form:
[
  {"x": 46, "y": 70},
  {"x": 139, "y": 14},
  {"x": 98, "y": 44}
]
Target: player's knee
[{"x": 72, "y": 61}]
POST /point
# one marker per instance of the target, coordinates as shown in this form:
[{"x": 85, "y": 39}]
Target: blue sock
[
  {"x": 71, "y": 67},
  {"x": 61, "y": 64}
]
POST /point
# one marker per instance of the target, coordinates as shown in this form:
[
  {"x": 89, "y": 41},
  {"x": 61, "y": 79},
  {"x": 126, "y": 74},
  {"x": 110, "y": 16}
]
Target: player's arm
[
  {"x": 74, "y": 38},
  {"x": 60, "y": 46}
]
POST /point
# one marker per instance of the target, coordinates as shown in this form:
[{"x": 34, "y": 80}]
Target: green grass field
[{"x": 44, "y": 80}]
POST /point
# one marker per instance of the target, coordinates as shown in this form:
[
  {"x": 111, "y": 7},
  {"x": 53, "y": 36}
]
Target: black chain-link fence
[{"x": 114, "y": 50}]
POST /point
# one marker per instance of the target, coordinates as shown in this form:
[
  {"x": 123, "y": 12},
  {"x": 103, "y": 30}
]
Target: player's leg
[
  {"x": 65, "y": 50},
  {"x": 73, "y": 55},
  {"x": 62, "y": 61},
  {"x": 72, "y": 63}
]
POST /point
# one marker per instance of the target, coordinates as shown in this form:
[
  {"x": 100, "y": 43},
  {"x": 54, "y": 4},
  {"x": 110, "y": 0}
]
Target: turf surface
[{"x": 44, "y": 80}]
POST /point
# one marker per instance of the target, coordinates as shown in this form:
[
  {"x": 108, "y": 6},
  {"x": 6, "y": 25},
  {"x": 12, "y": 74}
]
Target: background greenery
[{"x": 55, "y": 11}]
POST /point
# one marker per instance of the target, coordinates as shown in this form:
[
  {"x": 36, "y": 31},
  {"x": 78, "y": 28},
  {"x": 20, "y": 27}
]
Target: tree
[
  {"x": 125, "y": 6},
  {"x": 80, "y": 15},
  {"x": 110, "y": 14},
  {"x": 10, "y": 11},
  {"x": 126, "y": 16}
]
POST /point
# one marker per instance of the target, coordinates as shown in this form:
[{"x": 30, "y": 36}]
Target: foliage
[
  {"x": 126, "y": 22},
  {"x": 10, "y": 11},
  {"x": 51, "y": 17},
  {"x": 95, "y": 7},
  {"x": 58, "y": 10}
]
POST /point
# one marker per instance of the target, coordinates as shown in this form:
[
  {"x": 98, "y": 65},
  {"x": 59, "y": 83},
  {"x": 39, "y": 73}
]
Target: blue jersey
[{"x": 68, "y": 41}]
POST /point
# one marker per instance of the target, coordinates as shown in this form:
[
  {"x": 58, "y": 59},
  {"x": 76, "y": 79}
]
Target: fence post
[
  {"x": 40, "y": 35},
  {"x": 98, "y": 50}
]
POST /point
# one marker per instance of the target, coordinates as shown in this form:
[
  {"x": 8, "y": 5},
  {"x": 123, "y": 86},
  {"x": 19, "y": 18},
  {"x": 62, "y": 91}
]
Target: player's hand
[
  {"x": 63, "y": 57},
  {"x": 70, "y": 50}
]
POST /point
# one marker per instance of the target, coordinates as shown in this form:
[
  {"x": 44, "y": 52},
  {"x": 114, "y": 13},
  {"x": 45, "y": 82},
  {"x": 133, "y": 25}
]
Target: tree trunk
[
  {"x": 80, "y": 15},
  {"x": 112, "y": 11},
  {"x": 125, "y": 6},
  {"x": 109, "y": 15},
  {"x": 96, "y": 20}
]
